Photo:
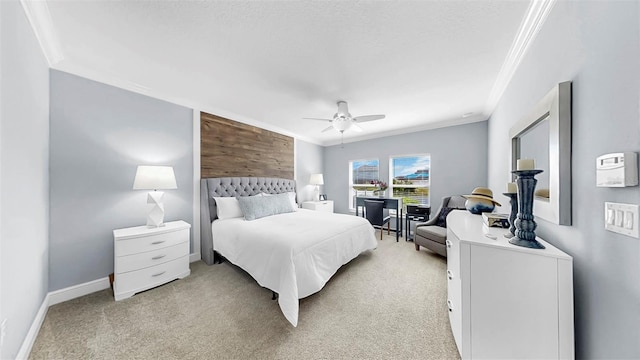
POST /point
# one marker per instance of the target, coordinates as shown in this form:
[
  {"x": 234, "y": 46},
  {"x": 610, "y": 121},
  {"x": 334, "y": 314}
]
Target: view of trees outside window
[
  {"x": 361, "y": 175},
  {"x": 410, "y": 178}
]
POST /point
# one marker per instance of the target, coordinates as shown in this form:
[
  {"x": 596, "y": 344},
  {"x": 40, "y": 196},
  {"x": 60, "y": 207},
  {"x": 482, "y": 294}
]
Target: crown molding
[
  {"x": 113, "y": 80},
  {"x": 531, "y": 24},
  {"x": 408, "y": 130},
  {"x": 40, "y": 19}
]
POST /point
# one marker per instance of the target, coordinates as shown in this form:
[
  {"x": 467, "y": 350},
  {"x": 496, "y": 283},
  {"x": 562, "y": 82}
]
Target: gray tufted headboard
[{"x": 231, "y": 186}]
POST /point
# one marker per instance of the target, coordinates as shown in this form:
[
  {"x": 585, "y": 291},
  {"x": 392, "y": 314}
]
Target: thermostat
[{"x": 617, "y": 170}]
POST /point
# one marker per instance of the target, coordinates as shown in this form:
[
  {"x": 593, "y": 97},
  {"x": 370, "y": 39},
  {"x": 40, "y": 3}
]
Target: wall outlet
[
  {"x": 3, "y": 330},
  {"x": 621, "y": 218}
]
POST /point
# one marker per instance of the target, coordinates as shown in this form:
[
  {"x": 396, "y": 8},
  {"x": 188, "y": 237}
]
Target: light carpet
[{"x": 389, "y": 303}]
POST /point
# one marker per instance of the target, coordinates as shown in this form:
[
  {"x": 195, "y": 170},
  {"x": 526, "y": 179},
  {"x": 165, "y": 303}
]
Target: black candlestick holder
[
  {"x": 525, "y": 234},
  {"x": 513, "y": 200}
]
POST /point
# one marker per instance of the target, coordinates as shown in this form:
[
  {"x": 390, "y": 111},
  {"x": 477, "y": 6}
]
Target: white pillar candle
[
  {"x": 526, "y": 164},
  {"x": 512, "y": 188}
]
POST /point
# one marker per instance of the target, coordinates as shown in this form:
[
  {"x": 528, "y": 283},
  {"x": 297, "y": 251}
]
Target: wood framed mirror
[{"x": 545, "y": 136}]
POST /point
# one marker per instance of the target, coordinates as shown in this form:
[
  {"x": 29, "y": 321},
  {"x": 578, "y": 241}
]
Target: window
[
  {"x": 410, "y": 178},
  {"x": 361, "y": 174}
]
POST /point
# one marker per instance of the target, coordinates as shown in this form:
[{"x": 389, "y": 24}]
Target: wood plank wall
[{"x": 230, "y": 148}]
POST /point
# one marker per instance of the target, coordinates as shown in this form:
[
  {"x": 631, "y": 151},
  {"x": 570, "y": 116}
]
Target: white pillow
[
  {"x": 292, "y": 198},
  {"x": 228, "y": 207}
]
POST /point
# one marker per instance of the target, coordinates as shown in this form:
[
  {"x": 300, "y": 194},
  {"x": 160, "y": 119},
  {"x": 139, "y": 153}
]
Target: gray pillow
[{"x": 256, "y": 207}]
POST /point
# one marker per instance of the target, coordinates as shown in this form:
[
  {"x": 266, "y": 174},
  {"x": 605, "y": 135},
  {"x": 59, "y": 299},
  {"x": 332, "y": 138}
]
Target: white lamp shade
[
  {"x": 316, "y": 179},
  {"x": 154, "y": 178}
]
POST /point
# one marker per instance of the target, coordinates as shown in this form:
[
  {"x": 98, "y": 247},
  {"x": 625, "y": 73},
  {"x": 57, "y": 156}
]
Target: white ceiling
[{"x": 270, "y": 63}]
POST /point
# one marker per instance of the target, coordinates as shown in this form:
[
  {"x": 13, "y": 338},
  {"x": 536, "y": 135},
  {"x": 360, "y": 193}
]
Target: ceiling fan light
[{"x": 341, "y": 124}]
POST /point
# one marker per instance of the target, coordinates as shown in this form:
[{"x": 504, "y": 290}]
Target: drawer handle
[
  {"x": 158, "y": 257},
  {"x": 158, "y": 274},
  {"x": 157, "y": 242},
  {"x": 449, "y": 275},
  {"x": 448, "y": 243},
  {"x": 449, "y": 305}
]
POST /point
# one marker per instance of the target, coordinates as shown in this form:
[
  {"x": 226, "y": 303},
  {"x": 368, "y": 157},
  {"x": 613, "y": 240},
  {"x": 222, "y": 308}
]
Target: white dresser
[
  {"x": 507, "y": 301},
  {"x": 325, "y": 205},
  {"x": 147, "y": 257}
]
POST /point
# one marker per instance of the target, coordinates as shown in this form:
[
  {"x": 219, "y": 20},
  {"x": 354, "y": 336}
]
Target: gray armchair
[{"x": 433, "y": 233}]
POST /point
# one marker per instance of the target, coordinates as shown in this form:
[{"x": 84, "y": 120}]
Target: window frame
[
  {"x": 392, "y": 176},
  {"x": 352, "y": 192}
]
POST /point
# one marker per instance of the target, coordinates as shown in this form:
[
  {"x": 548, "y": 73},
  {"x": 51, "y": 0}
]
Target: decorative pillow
[
  {"x": 256, "y": 207},
  {"x": 442, "y": 218},
  {"x": 292, "y": 198},
  {"x": 228, "y": 207}
]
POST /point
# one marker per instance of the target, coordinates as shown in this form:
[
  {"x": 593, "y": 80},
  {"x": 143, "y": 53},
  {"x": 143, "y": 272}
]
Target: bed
[{"x": 293, "y": 254}]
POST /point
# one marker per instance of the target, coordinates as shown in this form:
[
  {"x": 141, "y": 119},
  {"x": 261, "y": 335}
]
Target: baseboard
[
  {"x": 56, "y": 297},
  {"x": 72, "y": 292},
  {"x": 30, "y": 339}
]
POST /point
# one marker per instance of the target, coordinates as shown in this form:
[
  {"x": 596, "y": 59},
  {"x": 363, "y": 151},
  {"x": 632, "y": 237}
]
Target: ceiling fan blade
[
  {"x": 318, "y": 119},
  {"x": 355, "y": 127},
  {"x": 327, "y": 129},
  {"x": 368, "y": 118}
]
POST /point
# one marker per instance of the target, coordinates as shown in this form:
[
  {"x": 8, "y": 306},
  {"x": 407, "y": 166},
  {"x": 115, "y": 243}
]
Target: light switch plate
[{"x": 621, "y": 218}]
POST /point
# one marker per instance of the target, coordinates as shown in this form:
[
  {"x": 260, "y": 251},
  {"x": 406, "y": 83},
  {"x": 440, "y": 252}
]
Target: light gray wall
[
  {"x": 596, "y": 44},
  {"x": 308, "y": 161},
  {"x": 99, "y": 134},
  {"x": 458, "y": 160},
  {"x": 24, "y": 176}
]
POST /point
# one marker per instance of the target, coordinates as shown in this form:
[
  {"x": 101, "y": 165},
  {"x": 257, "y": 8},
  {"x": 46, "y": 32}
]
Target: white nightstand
[
  {"x": 146, "y": 257},
  {"x": 325, "y": 205}
]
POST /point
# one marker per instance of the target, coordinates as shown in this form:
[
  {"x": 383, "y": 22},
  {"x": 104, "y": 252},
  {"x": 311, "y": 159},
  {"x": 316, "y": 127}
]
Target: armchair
[{"x": 433, "y": 233}]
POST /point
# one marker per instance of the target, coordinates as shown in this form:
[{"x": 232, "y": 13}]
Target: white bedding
[{"x": 293, "y": 254}]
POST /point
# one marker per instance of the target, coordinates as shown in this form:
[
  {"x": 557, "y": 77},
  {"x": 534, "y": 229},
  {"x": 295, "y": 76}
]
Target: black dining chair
[{"x": 375, "y": 212}]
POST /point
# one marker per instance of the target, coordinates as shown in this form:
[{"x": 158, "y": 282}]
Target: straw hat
[{"x": 482, "y": 193}]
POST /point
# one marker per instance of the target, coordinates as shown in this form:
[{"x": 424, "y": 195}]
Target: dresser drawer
[
  {"x": 150, "y": 243},
  {"x": 153, "y": 276},
  {"x": 150, "y": 258}
]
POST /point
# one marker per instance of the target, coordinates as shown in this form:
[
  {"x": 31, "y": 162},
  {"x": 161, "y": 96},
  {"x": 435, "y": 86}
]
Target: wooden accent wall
[{"x": 230, "y": 148}]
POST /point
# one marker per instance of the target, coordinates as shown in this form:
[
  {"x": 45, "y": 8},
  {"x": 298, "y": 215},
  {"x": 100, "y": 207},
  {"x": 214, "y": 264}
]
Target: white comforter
[{"x": 293, "y": 254}]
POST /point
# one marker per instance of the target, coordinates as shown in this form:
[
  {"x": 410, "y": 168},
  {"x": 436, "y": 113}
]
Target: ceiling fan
[{"x": 342, "y": 120}]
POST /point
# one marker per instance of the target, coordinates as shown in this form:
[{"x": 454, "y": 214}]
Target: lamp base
[
  {"x": 533, "y": 244},
  {"x": 155, "y": 217}
]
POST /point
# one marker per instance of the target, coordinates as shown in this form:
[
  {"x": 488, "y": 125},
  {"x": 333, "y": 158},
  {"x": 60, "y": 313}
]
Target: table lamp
[
  {"x": 317, "y": 180},
  {"x": 155, "y": 178}
]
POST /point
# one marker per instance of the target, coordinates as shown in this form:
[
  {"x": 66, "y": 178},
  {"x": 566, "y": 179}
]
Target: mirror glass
[{"x": 534, "y": 144}]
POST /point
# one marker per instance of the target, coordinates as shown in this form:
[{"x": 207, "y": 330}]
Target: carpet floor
[{"x": 389, "y": 303}]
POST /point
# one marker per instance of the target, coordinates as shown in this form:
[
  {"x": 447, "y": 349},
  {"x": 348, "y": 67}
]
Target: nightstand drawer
[
  {"x": 150, "y": 277},
  {"x": 150, "y": 243},
  {"x": 150, "y": 258},
  {"x": 325, "y": 205}
]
